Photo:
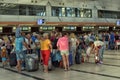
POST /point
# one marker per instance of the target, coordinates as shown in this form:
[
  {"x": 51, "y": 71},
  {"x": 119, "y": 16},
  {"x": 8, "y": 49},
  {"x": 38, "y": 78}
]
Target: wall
[{"x": 94, "y": 5}]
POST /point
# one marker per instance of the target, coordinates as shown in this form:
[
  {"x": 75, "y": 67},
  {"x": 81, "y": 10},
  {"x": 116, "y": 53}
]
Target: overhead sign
[
  {"x": 118, "y": 23},
  {"x": 40, "y": 21}
]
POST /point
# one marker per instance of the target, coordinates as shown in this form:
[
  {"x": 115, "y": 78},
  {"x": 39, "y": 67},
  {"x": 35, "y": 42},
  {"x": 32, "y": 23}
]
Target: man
[
  {"x": 19, "y": 43},
  {"x": 99, "y": 49}
]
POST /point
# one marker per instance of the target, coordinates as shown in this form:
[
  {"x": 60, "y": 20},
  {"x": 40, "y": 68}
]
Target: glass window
[
  {"x": 77, "y": 12},
  {"x": 32, "y": 10},
  {"x": 85, "y": 13},
  {"x": 70, "y": 12},
  {"x": 20, "y": 9},
  {"x": 23, "y": 10},
  {"x": 108, "y": 14},
  {"x": 8, "y": 9},
  {"x": 41, "y": 11},
  {"x": 63, "y": 12},
  {"x": 56, "y": 11}
]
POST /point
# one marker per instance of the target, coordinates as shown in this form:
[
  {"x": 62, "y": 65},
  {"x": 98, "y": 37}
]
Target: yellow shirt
[{"x": 44, "y": 45}]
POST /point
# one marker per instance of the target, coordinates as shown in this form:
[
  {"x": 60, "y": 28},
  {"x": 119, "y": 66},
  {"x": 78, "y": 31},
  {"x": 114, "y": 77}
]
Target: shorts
[
  {"x": 4, "y": 59},
  {"x": 20, "y": 55},
  {"x": 88, "y": 51},
  {"x": 64, "y": 52}
]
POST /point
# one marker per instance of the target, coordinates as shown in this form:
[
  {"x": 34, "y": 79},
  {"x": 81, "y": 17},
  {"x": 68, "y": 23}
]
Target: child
[
  {"x": 89, "y": 50},
  {"x": 4, "y": 56}
]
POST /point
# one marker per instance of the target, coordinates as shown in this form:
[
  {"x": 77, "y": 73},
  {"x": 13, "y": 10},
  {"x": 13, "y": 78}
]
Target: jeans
[{"x": 101, "y": 52}]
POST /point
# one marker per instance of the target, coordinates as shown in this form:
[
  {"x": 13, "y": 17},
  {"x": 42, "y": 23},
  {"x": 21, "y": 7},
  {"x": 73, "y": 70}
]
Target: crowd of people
[{"x": 51, "y": 43}]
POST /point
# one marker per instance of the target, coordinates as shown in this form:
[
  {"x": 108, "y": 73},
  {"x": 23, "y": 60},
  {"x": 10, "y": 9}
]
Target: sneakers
[
  {"x": 101, "y": 62},
  {"x": 23, "y": 69}
]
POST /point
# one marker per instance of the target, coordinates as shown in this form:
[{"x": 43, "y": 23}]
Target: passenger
[
  {"x": 19, "y": 42},
  {"x": 63, "y": 46},
  {"x": 4, "y": 56},
  {"x": 106, "y": 40},
  {"x": 99, "y": 51},
  {"x": 46, "y": 49},
  {"x": 89, "y": 50},
  {"x": 37, "y": 44},
  {"x": 73, "y": 45},
  {"x": 112, "y": 41},
  {"x": 117, "y": 41}
]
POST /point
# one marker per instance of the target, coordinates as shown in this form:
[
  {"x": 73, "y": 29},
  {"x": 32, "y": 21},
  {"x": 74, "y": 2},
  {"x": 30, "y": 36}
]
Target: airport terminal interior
[{"x": 98, "y": 18}]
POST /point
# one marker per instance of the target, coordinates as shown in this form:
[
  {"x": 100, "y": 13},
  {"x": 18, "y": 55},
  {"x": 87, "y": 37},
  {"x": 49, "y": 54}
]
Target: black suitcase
[
  {"x": 78, "y": 57},
  {"x": 0, "y": 59},
  {"x": 32, "y": 63},
  {"x": 13, "y": 60}
]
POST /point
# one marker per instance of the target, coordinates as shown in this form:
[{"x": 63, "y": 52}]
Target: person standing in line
[
  {"x": 73, "y": 45},
  {"x": 4, "y": 56},
  {"x": 19, "y": 43},
  {"x": 107, "y": 38},
  {"x": 112, "y": 41},
  {"x": 63, "y": 46},
  {"x": 46, "y": 49}
]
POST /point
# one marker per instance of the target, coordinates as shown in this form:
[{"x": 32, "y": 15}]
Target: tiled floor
[{"x": 110, "y": 70}]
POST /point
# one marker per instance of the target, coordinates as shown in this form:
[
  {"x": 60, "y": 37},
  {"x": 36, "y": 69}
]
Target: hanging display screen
[{"x": 40, "y": 21}]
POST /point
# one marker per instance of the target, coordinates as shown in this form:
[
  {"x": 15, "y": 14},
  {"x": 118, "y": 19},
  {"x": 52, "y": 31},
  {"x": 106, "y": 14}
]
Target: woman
[
  {"x": 63, "y": 46},
  {"x": 73, "y": 45},
  {"x": 46, "y": 49}
]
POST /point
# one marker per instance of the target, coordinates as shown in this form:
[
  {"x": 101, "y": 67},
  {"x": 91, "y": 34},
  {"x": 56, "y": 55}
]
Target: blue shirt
[
  {"x": 112, "y": 37},
  {"x": 19, "y": 43},
  {"x": 33, "y": 38}
]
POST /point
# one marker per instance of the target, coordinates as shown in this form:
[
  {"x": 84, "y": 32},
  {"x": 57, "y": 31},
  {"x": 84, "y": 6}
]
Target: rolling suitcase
[
  {"x": 32, "y": 63},
  {"x": 13, "y": 60},
  {"x": 50, "y": 64},
  {"x": 0, "y": 59}
]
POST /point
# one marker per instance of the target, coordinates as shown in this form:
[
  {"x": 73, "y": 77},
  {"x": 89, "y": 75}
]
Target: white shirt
[
  {"x": 73, "y": 42},
  {"x": 98, "y": 43}
]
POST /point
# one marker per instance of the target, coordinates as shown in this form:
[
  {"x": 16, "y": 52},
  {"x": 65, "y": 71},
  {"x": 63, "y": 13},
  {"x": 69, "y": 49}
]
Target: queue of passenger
[{"x": 47, "y": 45}]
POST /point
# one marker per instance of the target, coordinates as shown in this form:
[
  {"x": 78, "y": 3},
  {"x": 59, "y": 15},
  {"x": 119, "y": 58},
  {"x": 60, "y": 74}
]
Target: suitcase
[
  {"x": 32, "y": 63},
  {"x": 0, "y": 59},
  {"x": 78, "y": 58},
  {"x": 56, "y": 57},
  {"x": 13, "y": 60},
  {"x": 50, "y": 64}
]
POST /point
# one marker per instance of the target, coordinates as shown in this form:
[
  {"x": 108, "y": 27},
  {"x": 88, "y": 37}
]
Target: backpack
[{"x": 54, "y": 43}]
